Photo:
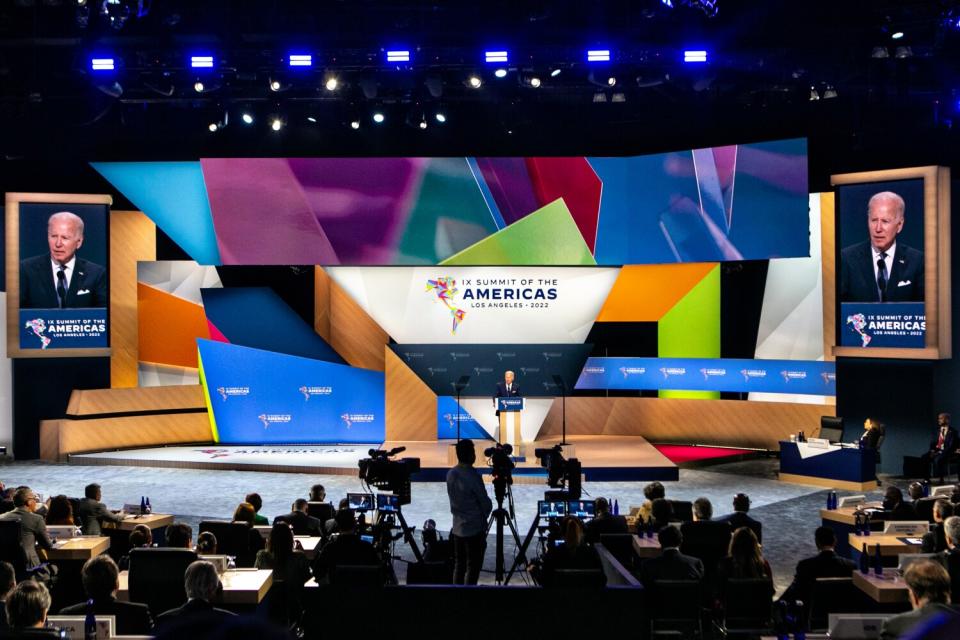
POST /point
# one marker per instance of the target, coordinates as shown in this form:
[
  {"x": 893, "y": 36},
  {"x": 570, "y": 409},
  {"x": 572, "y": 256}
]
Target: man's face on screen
[
  {"x": 885, "y": 222},
  {"x": 508, "y": 377},
  {"x": 64, "y": 239}
]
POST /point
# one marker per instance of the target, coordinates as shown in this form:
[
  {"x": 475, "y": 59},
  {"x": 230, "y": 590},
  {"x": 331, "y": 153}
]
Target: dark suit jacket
[
  {"x": 192, "y": 609},
  {"x": 934, "y": 541},
  {"x": 346, "y": 549},
  {"x": 37, "y": 290},
  {"x": 898, "y": 626},
  {"x": 303, "y": 525},
  {"x": 605, "y": 524},
  {"x": 871, "y": 437},
  {"x": 950, "y": 442},
  {"x": 133, "y": 618},
  {"x": 951, "y": 560},
  {"x": 739, "y": 519},
  {"x": 826, "y": 564},
  {"x": 502, "y": 392},
  {"x": 859, "y": 284},
  {"x": 902, "y": 512},
  {"x": 670, "y": 565},
  {"x": 91, "y": 513},
  {"x": 33, "y": 532}
]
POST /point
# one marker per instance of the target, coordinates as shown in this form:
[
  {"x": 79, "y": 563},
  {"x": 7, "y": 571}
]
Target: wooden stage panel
[{"x": 60, "y": 438}]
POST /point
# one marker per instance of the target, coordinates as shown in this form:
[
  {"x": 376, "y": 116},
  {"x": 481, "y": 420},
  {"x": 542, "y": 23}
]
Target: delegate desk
[
  {"x": 119, "y": 532},
  {"x": 891, "y": 547},
  {"x": 828, "y": 465},
  {"x": 242, "y": 588},
  {"x": 888, "y": 589},
  {"x": 842, "y": 521},
  {"x": 81, "y": 548},
  {"x": 646, "y": 547}
]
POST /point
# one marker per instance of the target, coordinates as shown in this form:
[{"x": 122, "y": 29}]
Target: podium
[
  {"x": 510, "y": 409},
  {"x": 828, "y": 465}
]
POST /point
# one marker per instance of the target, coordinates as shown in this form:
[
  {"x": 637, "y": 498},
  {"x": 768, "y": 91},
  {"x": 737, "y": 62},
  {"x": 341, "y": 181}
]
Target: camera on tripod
[
  {"x": 391, "y": 475},
  {"x": 500, "y": 463},
  {"x": 562, "y": 474}
]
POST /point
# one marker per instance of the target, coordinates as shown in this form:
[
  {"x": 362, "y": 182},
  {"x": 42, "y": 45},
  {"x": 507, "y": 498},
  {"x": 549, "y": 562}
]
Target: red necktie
[{"x": 940, "y": 441}]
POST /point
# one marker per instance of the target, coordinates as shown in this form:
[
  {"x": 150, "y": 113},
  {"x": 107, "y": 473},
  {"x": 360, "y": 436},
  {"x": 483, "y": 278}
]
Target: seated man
[
  {"x": 140, "y": 538},
  {"x": 826, "y": 564},
  {"x": 303, "y": 524},
  {"x": 33, "y": 530},
  {"x": 604, "y": 522},
  {"x": 179, "y": 536},
  {"x": 943, "y": 445},
  {"x": 739, "y": 517},
  {"x": 951, "y": 557},
  {"x": 894, "y": 506},
  {"x": 318, "y": 493},
  {"x": 706, "y": 538},
  {"x": 670, "y": 564},
  {"x": 101, "y": 581},
  {"x": 202, "y": 584},
  {"x": 346, "y": 549},
  {"x": 929, "y": 587},
  {"x": 91, "y": 513},
  {"x": 935, "y": 540},
  {"x": 27, "y": 608},
  {"x": 257, "y": 502}
]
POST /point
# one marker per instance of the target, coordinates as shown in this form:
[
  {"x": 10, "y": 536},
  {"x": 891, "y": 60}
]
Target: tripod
[
  {"x": 521, "y": 558},
  {"x": 502, "y": 489}
]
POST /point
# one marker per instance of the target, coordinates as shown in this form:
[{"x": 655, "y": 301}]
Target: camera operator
[
  {"x": 470, "y": 506},
  {"x": 569, "y": 552}
]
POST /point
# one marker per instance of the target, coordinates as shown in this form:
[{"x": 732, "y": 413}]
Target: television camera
[
  {"x": 562, "y": 474},
  {"x": 390, "y": 475}
]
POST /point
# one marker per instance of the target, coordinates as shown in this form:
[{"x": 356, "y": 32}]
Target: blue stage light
[
  {"x": 497, "y": 56},
  {"x": 300, "y": 60},
  {"x": 201, "y": 62},
  {"x": 101, "y": 64},
  {"x": 398, "y": 56},
  {"x": 598, "y": 55},
  {"x": 695, "y": 55}
]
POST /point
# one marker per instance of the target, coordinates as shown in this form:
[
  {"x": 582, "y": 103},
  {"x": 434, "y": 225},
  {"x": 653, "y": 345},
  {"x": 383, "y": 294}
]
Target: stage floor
[{"x": 604, "y": 458}]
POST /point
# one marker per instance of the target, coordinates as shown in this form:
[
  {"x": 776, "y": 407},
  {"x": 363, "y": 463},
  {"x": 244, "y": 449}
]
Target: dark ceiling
[{"x": 765, "y": 59}]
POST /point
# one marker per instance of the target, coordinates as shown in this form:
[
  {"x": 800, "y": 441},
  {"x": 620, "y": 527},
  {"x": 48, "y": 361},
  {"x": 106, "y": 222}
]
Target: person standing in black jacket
[
  {"x": 101, "y": 581},
  {"x": 826, "y": 564}
]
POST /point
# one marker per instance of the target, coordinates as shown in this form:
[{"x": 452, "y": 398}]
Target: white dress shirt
[
  {"x": 67, "y": 272},
  {"x": 888, "y": 261}
]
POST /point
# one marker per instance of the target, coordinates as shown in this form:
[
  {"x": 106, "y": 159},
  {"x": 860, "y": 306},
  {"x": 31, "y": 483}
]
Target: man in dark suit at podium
[
  {"x": 59, "y": 279},
  {"x": 506, "y": 389},
  {"x": 882, "y": 269}
]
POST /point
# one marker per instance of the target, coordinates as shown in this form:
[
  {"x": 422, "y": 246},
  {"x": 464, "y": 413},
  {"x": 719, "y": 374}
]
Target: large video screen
[{"x": 58, "y": 275}]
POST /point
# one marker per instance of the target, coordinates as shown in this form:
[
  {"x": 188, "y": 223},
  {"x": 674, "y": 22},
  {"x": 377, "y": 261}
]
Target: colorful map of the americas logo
[
  {"x": 859, "y": 322},
  {"x": 38, "y": 327},
  {"x": 446, "y": 291}
]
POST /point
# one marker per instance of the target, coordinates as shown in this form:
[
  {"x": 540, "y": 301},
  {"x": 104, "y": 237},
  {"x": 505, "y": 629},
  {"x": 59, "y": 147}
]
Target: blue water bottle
[
  {"x": 877, "y": 561},
  {"x": 143, "y": 505},
  {"x": 864, "y": 560},
  {"x": 149, "y": 508},
  {"x": 90, "y": 623},
  {"x": 616, "y": 508}
]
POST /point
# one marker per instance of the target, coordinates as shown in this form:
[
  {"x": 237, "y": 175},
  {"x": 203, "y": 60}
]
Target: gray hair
[
  {"x": 201, "y": 581},
  {"x": 888, "y": 196},
  {"x": 951, "y": 529},
  {"x": 68, "y": 217}
]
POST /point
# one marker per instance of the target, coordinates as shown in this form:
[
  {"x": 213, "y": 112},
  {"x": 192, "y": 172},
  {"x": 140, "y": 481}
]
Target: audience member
[
  {"x": 470, "y": 506},
  {"x": 670, "y": 564},
  {"x": 346, "y": 549},
  {"x": 661, "y": 514},
  {"x": 280, "y": 555},
  {"x": 257, "y": 502},
  {"x": 60, "y": 511},
  {"x": 745, "y": 560},
  {"x": 604, "y": 522},
  {"x": 705, "y": 538},
  {"x": 318, "y": 493},
  {"x": 91, "y": 512},
  {"x": 943, "y": 444},
  {"x": 702, "y": 510},
  {"x": 303, "y": 524},
  {"x": 101, "y": 581},
  {"x": 826, "y": 564},
  {"x": 6, "y": 499},
  {"x": 653, "y": 491},
  {"x": 246, "y": 514},
  {"x": 915, "y": 491},
  {"x": 330, "y": 526},
  {"x": 894, "y": 506},
  {"x": 739, "y": 517},
  {"x": 573, "y": 553},
  {"x": 33, "y": 530},
  {"x": 141, "y": 537},
  {"x": 202, "y": 585},
  {"x": 929, "y": 587},
  {"x": 27, "y": 607},
  {"x": 951, "y": 557},
  {"x": 934, "y": 541},
  {"x": 8, "y": 580},
  {"x": 207, "y": 543},
  {"x": 180, "y": 536}
]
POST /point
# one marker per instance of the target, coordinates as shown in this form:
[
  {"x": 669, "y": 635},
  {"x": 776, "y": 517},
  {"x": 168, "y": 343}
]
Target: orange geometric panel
[
  {"x": 644, "y": 293},
  {"x": 169, "y": 327}
]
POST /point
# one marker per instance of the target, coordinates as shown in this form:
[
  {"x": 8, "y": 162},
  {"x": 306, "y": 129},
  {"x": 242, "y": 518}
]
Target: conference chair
[
  {"x": 747, "y": 607},
  {"x": 620, "y": 546},
  {"x": 674, "y": 605},
  {"x": 924, "y": 508},
  {"x": 834, "y": 595},
  {"x": 233, "y": 539},
  {"x": 682, "y": 510},
  {"x": 322, "y": 511},
  {"x": 430, "y": 573},
  {"x": 578, "y": 579},
  {"x": 357, "y": 575},
  {"x": 156, "y": 577},
  {"x": 708, "y": 540}
]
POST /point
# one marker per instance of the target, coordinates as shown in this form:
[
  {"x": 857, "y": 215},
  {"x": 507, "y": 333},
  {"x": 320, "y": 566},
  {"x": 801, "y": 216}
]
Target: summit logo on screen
[
  {"x": 673, "y": 371},
  {"x": 793, "y": 375},
  {"x": 315, "y": 391},
  {"x": 38, "y": 327},
  {"x": 753, "y": 373},
  {"x": 226, "y": 392},
  {"x": 445, "y": 290},
  {"x": 626, "y": 371},
  {"x": 274, "y": 418},
  {"x": 713, "y": 373},
  {"x": 349, "y": 419}
]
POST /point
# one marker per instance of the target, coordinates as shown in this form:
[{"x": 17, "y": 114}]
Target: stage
[{"x": 604, "y": 458}]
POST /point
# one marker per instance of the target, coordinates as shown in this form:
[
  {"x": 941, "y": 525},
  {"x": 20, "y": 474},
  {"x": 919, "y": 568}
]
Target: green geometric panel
[
  {"x": 691, "y": 329},
  {"x": 448, "y": 213},
  {"x": 548, "y": 236}
]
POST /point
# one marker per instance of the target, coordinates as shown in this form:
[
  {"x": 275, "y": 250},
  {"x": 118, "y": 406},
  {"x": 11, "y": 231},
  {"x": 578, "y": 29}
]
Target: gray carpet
[{"x": 789, "y": 513}]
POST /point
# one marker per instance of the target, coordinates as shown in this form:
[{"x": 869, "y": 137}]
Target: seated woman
[
  {"x": 60, "y": 511},
  {"x": 873, "y": 433},
  {"x": 651, "y": 492},
  {"x": 246, "y": 514},
  {"x": 661, "y": 514},
  {"x": 206, "y": 544},
  {"x": 290, "y": 571},
  {"x": 744, "y": 560},
  {"x": 572, "y": 552}
]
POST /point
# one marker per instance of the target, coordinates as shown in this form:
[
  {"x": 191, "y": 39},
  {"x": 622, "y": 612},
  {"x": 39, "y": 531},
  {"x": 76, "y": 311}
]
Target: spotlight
[
  {"x": 555, "y": 73},
  {"x": 198, "y": 86},
  {"x": 500, "y": 73},
  {"x": 475, "y": 82},
  {"x": 276, "y": 124},
  {"x": 354, "y": 124},
  {"x": 378, "y": 117},
  {"x": 398, "y": 56},
  {"x": 598, "y": 55},
  {"x": 311, "y": 119},
  {"x": 423, "y": 123},
  {"x": 897, "y": 35},
  {"x": 101, "y": 64},
  {"x": 534, "y": 82},
  {"x": 300, "y": 60},
  {"x": 201, "y": 62},
  {"x": 212, "y": 127},
  {"x": 611, "y": 81},
  {"x": 694, "y": 55},
  {"x": 247, "y": 118},
  {"x": 331, "y": 83},
  {"x": 275, "y": 85},
  {"x": 441, "y": 117},
  {"x": 497, "y": 56}
]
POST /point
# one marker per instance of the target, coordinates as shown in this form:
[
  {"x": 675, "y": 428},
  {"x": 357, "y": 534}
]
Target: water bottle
[
  {"x": 830, "y": 501},
  {"x": 877, "y": 560},
  {"x": 149, "y": 508},
  {"x": 90, "y": 623},
  {"x": 926, "y": 488},
  {"x": 858, "y": 524},
  {"x": 143, "y": 505},
  {"x": 864, "y": 560},
  {"x": 866, "y": 523},
  {"x": 616, "y": 508}
]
